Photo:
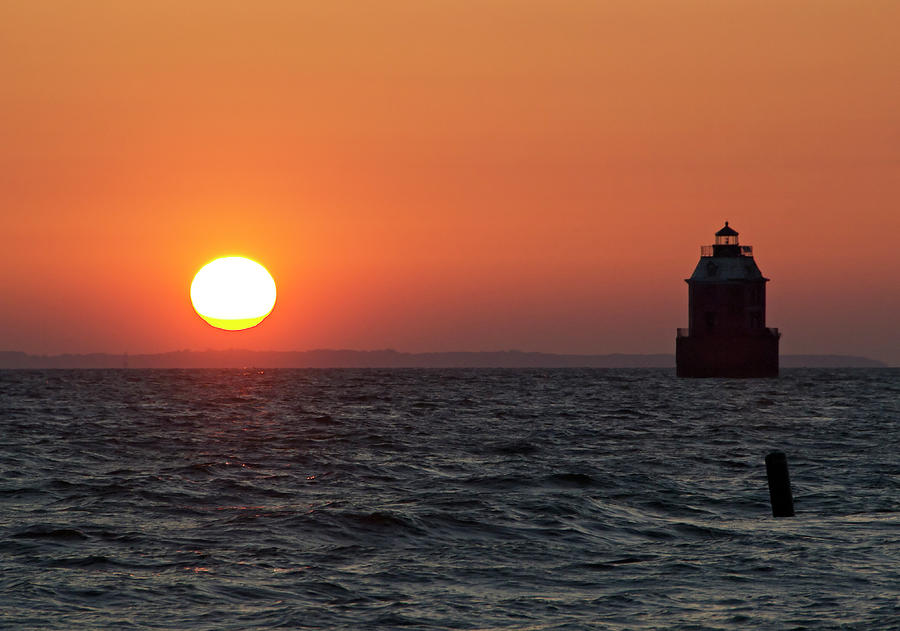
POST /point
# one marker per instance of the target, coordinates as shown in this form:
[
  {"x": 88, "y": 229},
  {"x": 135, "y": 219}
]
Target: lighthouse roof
[
  {"x": 727, "y": 231},
  {"x": 718, "y": 269}
]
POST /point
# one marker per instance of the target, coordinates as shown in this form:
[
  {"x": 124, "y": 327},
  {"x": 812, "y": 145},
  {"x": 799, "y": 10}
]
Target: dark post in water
[{"x": 779, "y": 485}]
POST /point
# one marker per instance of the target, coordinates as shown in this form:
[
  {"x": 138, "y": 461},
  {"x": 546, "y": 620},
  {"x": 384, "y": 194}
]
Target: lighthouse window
[{"x": 710, "y": 319}]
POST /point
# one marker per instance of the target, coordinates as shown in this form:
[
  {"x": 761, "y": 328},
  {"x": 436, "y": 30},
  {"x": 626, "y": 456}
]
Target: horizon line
[{"x": 389, "y": 358}]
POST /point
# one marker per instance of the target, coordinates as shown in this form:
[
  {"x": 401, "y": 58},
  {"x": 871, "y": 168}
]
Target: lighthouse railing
[
  {"x": 708, "y": 250},
  {"x": 681, "y": 332}
]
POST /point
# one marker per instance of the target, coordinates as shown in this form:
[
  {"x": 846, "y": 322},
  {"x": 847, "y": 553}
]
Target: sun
[{"x": 233, "y": 293}]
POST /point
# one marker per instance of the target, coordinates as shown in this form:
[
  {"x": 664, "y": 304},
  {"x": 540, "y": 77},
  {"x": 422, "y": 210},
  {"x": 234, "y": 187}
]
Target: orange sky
[{"x": 446, "y": 175}]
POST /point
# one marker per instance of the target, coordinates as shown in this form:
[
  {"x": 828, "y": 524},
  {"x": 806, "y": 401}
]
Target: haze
[{"x": 444, "y": 175}]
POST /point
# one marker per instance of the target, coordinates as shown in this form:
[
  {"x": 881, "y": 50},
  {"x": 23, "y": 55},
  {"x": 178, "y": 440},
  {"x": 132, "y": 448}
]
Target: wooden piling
[{"x": 779, "y": 485}]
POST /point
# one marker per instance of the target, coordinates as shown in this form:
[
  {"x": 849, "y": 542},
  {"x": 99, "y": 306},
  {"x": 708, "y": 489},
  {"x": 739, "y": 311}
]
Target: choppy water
[{"x": 452, "y": 499}]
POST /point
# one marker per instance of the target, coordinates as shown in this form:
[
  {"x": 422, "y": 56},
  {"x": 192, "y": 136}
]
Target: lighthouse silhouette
[{"x": 727, "y": 334}]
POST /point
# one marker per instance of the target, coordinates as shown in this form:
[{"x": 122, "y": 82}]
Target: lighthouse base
[{"x": 727, "y": 355}]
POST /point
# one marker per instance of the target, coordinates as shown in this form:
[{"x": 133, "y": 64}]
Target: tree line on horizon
[{"x": 326, "y": 358}]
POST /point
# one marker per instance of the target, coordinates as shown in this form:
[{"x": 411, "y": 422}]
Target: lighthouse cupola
[{"x": 726, "y": 242}]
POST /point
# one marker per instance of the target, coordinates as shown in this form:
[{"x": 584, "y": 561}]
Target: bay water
[{"x": 446, "y": 499}]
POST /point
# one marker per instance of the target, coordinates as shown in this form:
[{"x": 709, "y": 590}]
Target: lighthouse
[{"x": 727, "y": 334}]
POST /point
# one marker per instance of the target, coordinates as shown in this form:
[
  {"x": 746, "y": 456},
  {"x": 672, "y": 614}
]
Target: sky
[{"x": 446, "y": 174}]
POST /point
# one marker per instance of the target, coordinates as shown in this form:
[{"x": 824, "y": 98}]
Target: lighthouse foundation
[{"x": 738, "y": 355}]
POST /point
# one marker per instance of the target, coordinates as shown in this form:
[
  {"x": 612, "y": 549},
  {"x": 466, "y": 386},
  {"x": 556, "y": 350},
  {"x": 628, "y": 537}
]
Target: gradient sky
[{"x": 433, "y": 175}]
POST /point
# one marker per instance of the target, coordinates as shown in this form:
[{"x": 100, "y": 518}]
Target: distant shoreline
[{"x": 387, "y": 359}]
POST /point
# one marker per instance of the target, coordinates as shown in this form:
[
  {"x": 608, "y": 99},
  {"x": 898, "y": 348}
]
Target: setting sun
[{"x": 233, "y": 293}]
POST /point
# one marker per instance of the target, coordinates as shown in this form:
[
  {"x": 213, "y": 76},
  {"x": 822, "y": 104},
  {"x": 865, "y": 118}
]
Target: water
[{"x": 446, "y": 499}]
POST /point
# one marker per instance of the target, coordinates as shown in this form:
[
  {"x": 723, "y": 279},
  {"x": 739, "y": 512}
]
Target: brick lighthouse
[{"x": 727, "y": 334}]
